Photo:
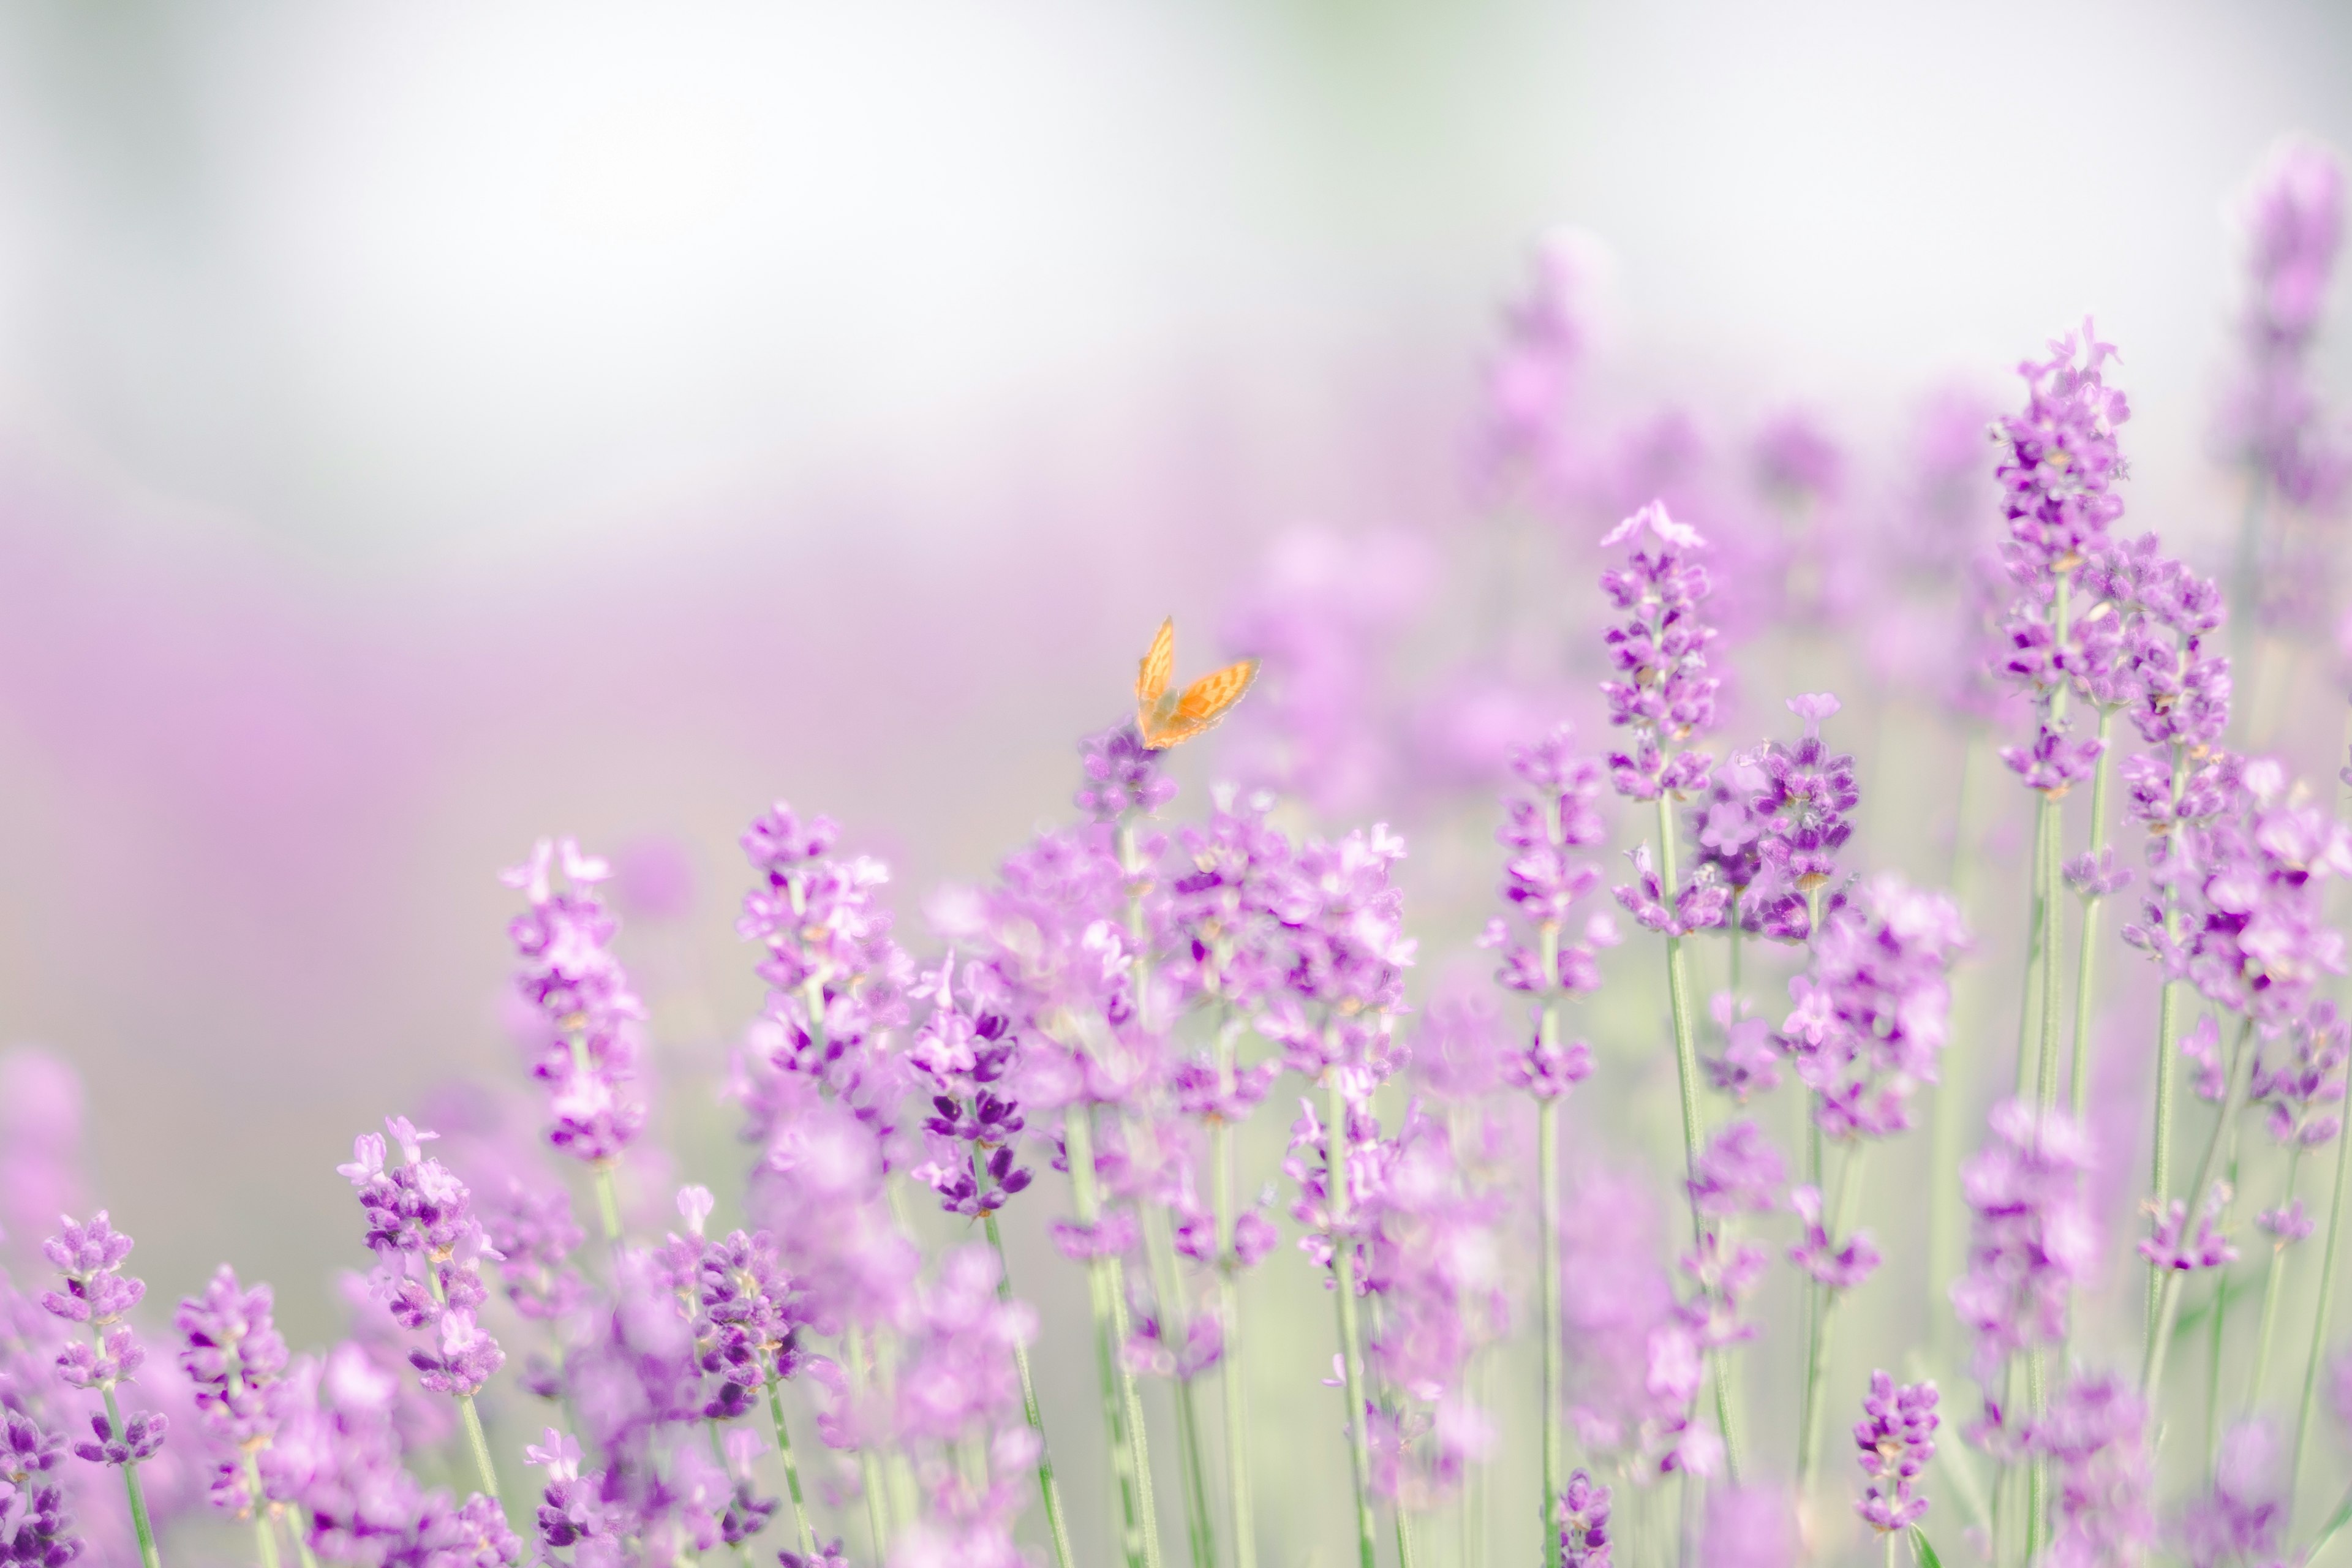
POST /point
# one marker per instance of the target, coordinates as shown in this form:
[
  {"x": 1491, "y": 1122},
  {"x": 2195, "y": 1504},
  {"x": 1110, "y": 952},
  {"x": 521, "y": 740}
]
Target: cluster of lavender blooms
[{"x": 1052, "y": 1097}]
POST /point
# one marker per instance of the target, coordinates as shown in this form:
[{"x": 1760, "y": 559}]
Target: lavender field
[{"x": 1719, "y": 954}]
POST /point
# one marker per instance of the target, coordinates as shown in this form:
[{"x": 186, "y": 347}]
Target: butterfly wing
[
  {"x": 1159, "y": 663},
  {"x": 1203, "y": 703}
]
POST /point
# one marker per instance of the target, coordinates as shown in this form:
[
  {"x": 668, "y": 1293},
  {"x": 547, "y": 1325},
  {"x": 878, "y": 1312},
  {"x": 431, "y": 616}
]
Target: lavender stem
[
  {"x": 1175, "y": 1330},
  {"x": 2322, "y": 1310},
  {"x": 1686, "y": 1075},
  {"x": 2151, "y": 1375},
  {"x": 2080, "y": 1069},
  {"x": 791, "y": 1470},
  {"x": 1352, "y": 1357},
  {"x": 137, "y": 1494},
  {"x": 1229, "y": 1307},
  {"x": 1103, "y": 1291},
  {"x": 1547, "y": 1253},
  {"x": 2274, "y": 1283}
]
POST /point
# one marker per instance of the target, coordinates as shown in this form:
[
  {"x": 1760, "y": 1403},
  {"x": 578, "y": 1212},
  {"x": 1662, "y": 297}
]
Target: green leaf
[{"x": 1927, "y": 1553}]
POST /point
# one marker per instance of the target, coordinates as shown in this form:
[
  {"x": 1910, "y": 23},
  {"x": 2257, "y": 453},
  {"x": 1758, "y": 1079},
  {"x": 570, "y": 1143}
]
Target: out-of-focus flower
[
  {"x": 2032, "y": 1241},
  {"x": 1749, "y": 1527},
  {"x": 2241, "y": 1519},
  {"x": 568, "y": 974},
  {"x": 2092, "y": 1437},
  {"x": 1896, "y": 1437}
]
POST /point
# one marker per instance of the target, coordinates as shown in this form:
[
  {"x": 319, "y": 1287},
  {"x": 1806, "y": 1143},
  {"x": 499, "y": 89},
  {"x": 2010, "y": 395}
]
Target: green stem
[
  {"x": 298, "y": 1526},
  {"x": 1046, "y": 1489},
  {"x": 1547, "y": 1253},
  {"x": 2323, "y": 1309},
  {"x": 1104, "y": 1291},
  {"x": 791, "y": 1469},
  {"x": 1406, "y": 1558},
  {"x": 2046, "y": 1032},
  {"x": 1687, "y": 1077},
  {"x": 2151, "y": 1374},
  {"x": 1336, "y": 1162},
  {"x": 2272, "y": 1286},
  {"x": 608, "y": 1207},
  {"x": 2168, "y": 1036},
  {"x": 869, "y": 1461},
  {"x": 1817, "y": 1350},
  {"x": 1229, "y": 1309},
  {"x": 136, "y": 1492},
  {"x": 1175, "y": 1332},
  {"x": 471, "y": 1419},
  {"x": 2080, "y": 1068},
  {"x": 2036, "y": 923}
]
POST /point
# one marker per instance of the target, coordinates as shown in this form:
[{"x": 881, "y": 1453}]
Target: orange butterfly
[{"x": 1166, "y": 718}]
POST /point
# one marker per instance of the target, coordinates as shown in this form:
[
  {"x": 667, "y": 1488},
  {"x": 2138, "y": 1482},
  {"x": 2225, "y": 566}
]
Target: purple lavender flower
[
  {"x": 234, "y": 1356},
  {"x": 1751, "y": 1062},
  {"x": 1529, "y": 380},
  {"x": 2058, "y": 465},
  {"x": 2032, "y": 1241},
  {"x": 98, "y": 1295},
  {"x": 1801, "y": 808},
  {"x": 429, "y": 1250},
  {"x": 834, "y": 974},
  {"x": 2300, "y": 1081},
  {"x": 2092, "y": 1437},
  {"x": 569, "y": 974},
  {"x": 1583, "y": 1522},
  {"x": 1123, "y": 775},
  {"x": 535, "y": 1237},
  {"x": 1726, "y": 825},
  {"x": 1737, "y": 1173},
  {"x": 1839, "y": 1265},
  {"x": 35, "y": 1528},
  {"x": 1663, "y": 693},
  {"x": 2242, "y": 1518},
  {"x": 1897, "y": 1437},
  {"x": 1749, "y": 1527},
  {"x": 1542, "y": 881},
  {"x": 964, "y": 1052},
  {"x": 1871, "y": 1013},
  {"x": 2273, "y": 419},
  {"x": 1344, "y": 981}
]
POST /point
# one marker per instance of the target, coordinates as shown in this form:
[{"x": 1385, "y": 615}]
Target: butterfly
[{"x": 1166, "y": 718}]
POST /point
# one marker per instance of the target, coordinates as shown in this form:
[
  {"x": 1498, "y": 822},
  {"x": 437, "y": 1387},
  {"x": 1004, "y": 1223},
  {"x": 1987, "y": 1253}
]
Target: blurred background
[{"x": 423, "y": 427}]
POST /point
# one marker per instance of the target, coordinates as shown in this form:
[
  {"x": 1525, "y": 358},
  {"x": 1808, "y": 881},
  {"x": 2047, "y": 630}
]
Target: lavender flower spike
[
  {"x": 1897, "y": 1437},
  {"x": 234, "y": 1356},
  {"x": 1664, "y": 696},
  {"x": 98, "y": 1294}
]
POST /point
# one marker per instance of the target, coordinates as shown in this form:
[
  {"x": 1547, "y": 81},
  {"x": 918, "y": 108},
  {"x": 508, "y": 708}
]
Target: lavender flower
[
  {"x": 234, "y": 1356},
  {"x": 1896, "y": 1437},
  {"x": 1344, "y": 981},
  {"x": 1663, "y": 693},
  {"x": 2242, "y": 1518},
  {"x": 2092, "y": 1435},
  {"x": 2031, "y": 1240},
  {"x": 834, "y": 974},
  {"x": 2272, "y": 420},
  {"x": 1748, "y": 1527},
  {"x": 569, "y": 974},
  {"x": 965, "y": 1053},
  {"x": 2302, "y": 1080},
  {"x": 35, "y": 1526},
  {"x": 429, "y": 1250},
  {"x": 1542, "y": 881},
  {"x": 1838, "y": 1265},
  {"x": 1583, "y": 1522},
  {"x": 1871, "y": 1013},
  {"x": 99, "y": 1296},
  {"x": 1801, "y": 813}
]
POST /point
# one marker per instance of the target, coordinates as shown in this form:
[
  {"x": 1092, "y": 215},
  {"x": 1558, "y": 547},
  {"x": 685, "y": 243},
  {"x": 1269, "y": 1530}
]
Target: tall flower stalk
[
  {"x": 1553, "y": 816},
  {"x": 1662, "y": 696},
  {"x": 99, "y": 1296}
]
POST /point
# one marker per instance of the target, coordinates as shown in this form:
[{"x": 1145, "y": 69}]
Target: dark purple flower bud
[{"x": 142, "y": 1438}]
